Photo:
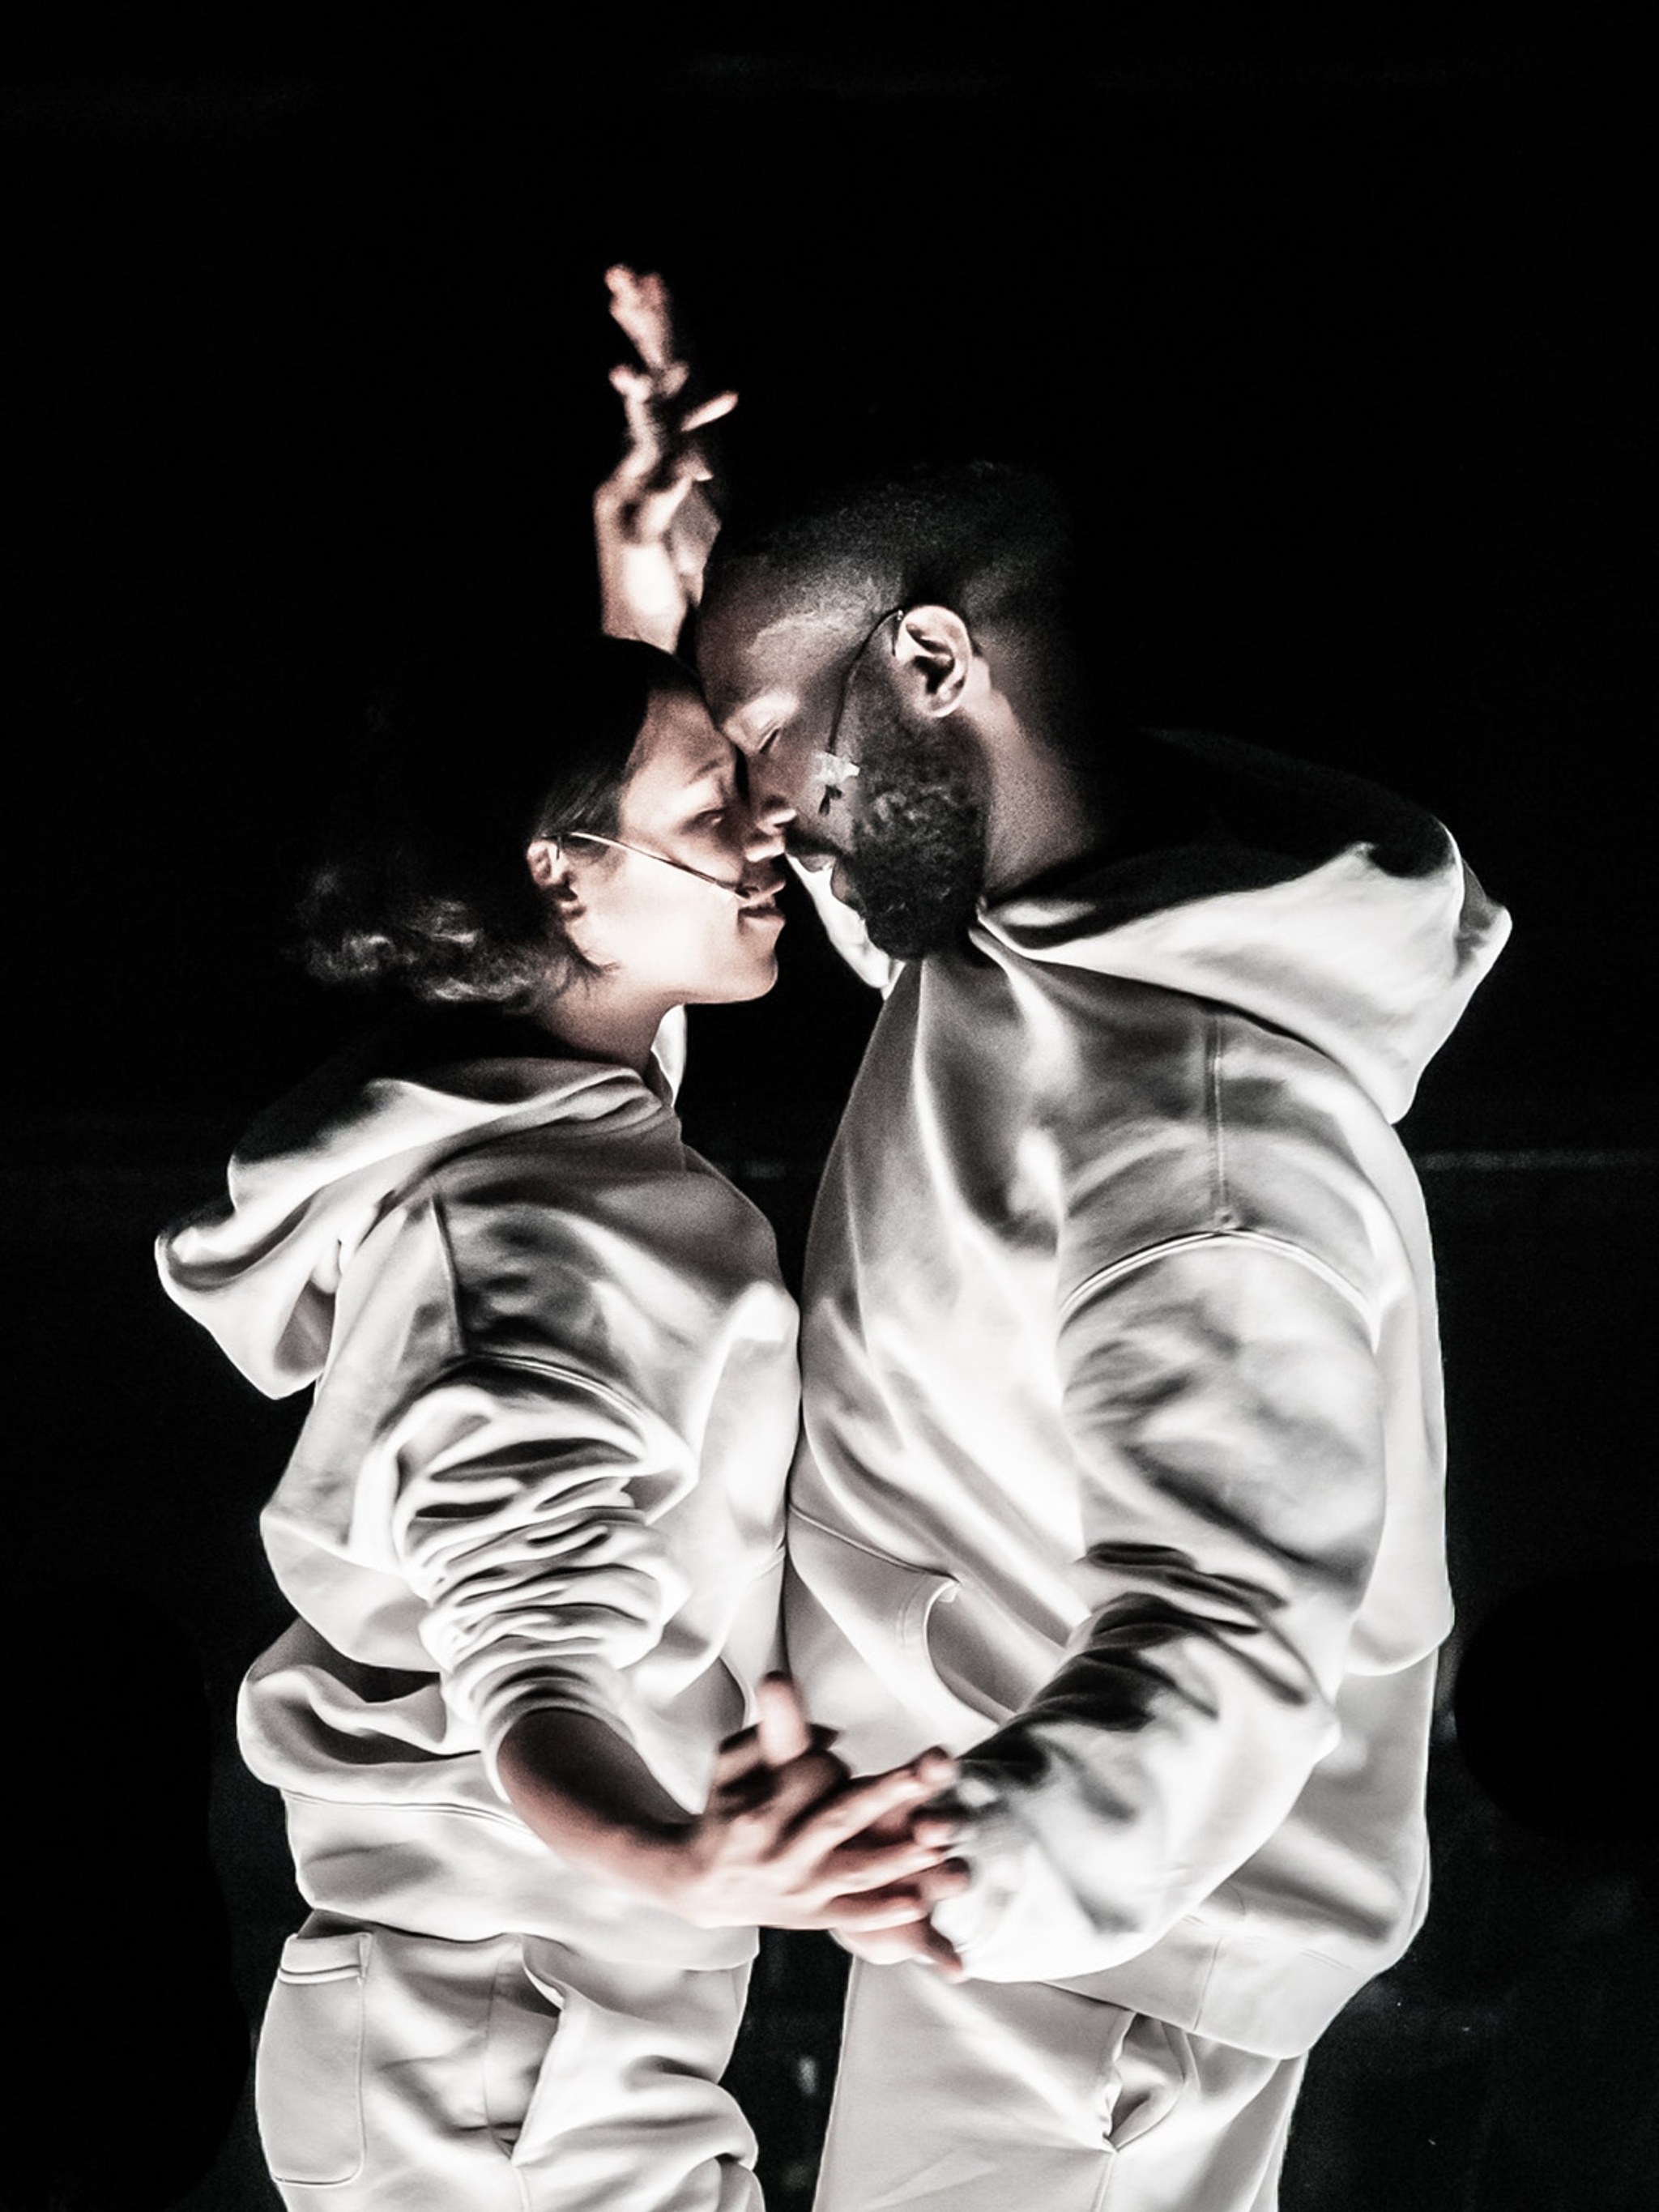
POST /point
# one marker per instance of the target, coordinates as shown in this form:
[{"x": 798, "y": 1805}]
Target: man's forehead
[
  {"x": 769, "y": 623},
  {"x": 752, "y": 647}
]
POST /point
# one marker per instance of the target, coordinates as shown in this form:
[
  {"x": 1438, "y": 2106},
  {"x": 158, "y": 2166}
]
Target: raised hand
[{"x": 653, "y": 524}]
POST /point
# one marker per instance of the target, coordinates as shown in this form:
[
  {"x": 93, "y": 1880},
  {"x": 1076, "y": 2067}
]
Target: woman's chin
[
  {"x": 757, "y": 985},
  {"x": 752, "y": 980}
]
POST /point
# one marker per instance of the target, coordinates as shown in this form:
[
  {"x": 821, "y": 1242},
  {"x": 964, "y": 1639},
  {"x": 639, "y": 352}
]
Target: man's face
[{"x": 808, "y": 698}]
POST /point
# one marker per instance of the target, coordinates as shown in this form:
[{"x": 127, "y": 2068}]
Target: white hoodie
[
  {"x": 555, "y": 1403},
  {"x": 1123, "y": 1456}
]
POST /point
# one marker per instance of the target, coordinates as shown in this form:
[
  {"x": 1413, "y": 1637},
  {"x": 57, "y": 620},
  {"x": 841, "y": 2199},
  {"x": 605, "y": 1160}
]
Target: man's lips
[
  {"x": 810, "y": 855},
  {"x": 842, "y": 884}
]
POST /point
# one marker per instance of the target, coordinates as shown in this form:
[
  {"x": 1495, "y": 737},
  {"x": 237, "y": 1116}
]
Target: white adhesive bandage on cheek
[{"x": 832, "y": 774}]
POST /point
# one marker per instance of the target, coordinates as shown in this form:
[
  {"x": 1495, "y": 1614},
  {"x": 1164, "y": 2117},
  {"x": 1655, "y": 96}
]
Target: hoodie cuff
[
  {"x": 1021, "y": 1918},
  {"x": 990, "y": 1842},
  {"x": 552, "y": 1690}
]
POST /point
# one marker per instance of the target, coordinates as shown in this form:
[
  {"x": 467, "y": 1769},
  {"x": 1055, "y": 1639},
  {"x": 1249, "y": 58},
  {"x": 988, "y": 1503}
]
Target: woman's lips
[{"x": 761, "y": 903}]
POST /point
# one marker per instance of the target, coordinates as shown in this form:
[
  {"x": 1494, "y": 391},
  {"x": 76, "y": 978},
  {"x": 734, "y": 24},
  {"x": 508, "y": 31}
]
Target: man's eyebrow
[{"x": 760, "y": 710}]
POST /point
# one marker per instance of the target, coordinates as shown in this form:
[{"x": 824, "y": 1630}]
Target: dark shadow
[{"x": 129, "y": 2047}]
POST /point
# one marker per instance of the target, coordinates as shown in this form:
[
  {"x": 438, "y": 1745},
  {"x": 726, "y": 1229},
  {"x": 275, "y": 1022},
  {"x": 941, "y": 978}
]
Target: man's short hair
[{"x": 991, "y": 541}]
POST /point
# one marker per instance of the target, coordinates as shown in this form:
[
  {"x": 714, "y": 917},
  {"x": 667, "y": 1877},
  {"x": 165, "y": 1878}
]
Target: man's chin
[
  {"x": 912, "y": 937},
  {"x": 897, "y": 922}
]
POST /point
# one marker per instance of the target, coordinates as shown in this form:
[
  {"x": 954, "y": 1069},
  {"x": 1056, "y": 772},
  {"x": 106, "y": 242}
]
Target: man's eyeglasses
[{"x": 831, "y": 770}]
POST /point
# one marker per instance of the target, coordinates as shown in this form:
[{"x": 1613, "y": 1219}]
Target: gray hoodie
[
  {"x": 554, "y": 1402},
  {"x": 1123, "y": 1458}
]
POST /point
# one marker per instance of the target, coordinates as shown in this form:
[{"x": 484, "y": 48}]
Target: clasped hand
[{"x": 789, "y": 1839}]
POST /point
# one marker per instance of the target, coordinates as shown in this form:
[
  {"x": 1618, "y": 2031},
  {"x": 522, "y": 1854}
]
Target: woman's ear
[
  {"x": 550, "y": 868},
  {"x": 934, "y": 649}
]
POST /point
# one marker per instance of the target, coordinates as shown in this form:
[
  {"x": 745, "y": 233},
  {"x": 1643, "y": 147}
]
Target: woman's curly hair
[{"x": 483, "y": 742}]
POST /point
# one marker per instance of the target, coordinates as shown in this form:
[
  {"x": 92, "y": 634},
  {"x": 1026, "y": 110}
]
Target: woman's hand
[
  {"x": 652, "y": 523},
  {"x": 786, "y": 1839},
  {"x": 789, "y": 1840}
]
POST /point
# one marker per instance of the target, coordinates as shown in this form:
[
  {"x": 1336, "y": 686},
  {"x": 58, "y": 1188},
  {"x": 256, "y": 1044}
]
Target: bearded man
[{"x": 1123, "y": 1460}]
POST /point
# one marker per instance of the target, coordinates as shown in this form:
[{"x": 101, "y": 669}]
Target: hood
[
  {"x": 1304, "y": 897},
  {"x": 260, "y": 1268}
]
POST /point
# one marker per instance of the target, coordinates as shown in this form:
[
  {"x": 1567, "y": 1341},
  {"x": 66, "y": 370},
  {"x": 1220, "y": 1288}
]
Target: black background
[{"x": 1339, "y": 341}]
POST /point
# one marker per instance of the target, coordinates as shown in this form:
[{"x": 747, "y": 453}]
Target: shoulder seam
[
  {"x": 1221, "y": 1209},
  {"x": 1104, "y": 1278},
  {"x": 546, "y": 1370},
  {"x": 434, "y": 1200}
]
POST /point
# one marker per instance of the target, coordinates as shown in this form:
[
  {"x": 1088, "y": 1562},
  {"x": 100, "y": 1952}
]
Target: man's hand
[
  {"x": 916, "y": 1938},
  {"x": 653, "y": 524}
]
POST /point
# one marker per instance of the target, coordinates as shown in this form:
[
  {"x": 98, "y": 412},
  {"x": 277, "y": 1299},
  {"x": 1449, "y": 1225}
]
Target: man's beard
[{"x": 917, "y": 861}]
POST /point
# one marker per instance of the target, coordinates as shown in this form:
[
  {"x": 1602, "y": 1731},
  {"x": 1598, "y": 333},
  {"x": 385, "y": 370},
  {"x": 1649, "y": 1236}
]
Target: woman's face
[{"x": 665, "y": 930}]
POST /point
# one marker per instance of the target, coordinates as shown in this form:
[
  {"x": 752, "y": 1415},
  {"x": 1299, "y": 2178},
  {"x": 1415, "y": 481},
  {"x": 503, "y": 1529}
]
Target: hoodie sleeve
[
  {"x": 518, "y": 1523},
  {"x": 1225, "y": 1406}
]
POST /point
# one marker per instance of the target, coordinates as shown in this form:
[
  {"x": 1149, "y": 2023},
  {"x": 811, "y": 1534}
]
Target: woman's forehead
[{"x": 679, "y": 745}]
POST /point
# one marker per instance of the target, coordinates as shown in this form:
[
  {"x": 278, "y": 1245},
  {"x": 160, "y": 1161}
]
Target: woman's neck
[{"x": 595, "y": 1022}]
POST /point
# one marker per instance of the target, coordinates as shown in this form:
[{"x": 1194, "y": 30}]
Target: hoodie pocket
[
  {"x": 860, "y": 1641},
  {"x": 308, "y": 2080}
]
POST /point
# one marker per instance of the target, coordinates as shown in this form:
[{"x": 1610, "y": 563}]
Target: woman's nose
[
  {"x": 770, "y": 813},
  {"x": 770, "y": 805}
]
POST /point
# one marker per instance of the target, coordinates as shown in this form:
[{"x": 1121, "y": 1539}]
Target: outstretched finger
[
  {"x": 862, "y": 1803},
  {"x": 861, "y": 1870},
  {"x": 642, "y": 422},
  {"x": 915, "y": 1939},
  {"x": 740, "y": 1755},
  {"x": 873, "y": 1910},
  {"x": 662, "y": 445},
  {"x": 816, "y": 1777},
  {"x": 823, "y": 1739},
  {"x": 641, "y": 305},
  {"x": 708, "y": 410},
  {"x": 781, "y": 1720}
]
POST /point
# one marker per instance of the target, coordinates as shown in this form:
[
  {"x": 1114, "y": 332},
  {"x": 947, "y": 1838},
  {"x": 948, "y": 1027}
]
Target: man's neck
[{"x": 1043, "y": 812}]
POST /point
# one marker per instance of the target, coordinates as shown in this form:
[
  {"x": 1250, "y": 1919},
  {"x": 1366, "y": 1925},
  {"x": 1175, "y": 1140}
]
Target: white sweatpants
[
  {"x": 985, "y": 2096},
  {"x": 409, "y": 2073}
]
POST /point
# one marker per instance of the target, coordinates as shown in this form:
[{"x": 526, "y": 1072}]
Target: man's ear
[
  {"x": 935, "y": 650},
  {"x": 550, "y": 868}
]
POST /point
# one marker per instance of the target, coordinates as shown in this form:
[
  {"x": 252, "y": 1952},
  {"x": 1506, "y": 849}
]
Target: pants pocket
[
  {"x": 308, "y": 2077},
  {"x": 1152, "y": 2067}
]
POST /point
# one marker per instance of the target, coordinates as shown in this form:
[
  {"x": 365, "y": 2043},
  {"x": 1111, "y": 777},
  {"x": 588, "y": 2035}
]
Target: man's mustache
[{"x": 808, "y": 850}]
